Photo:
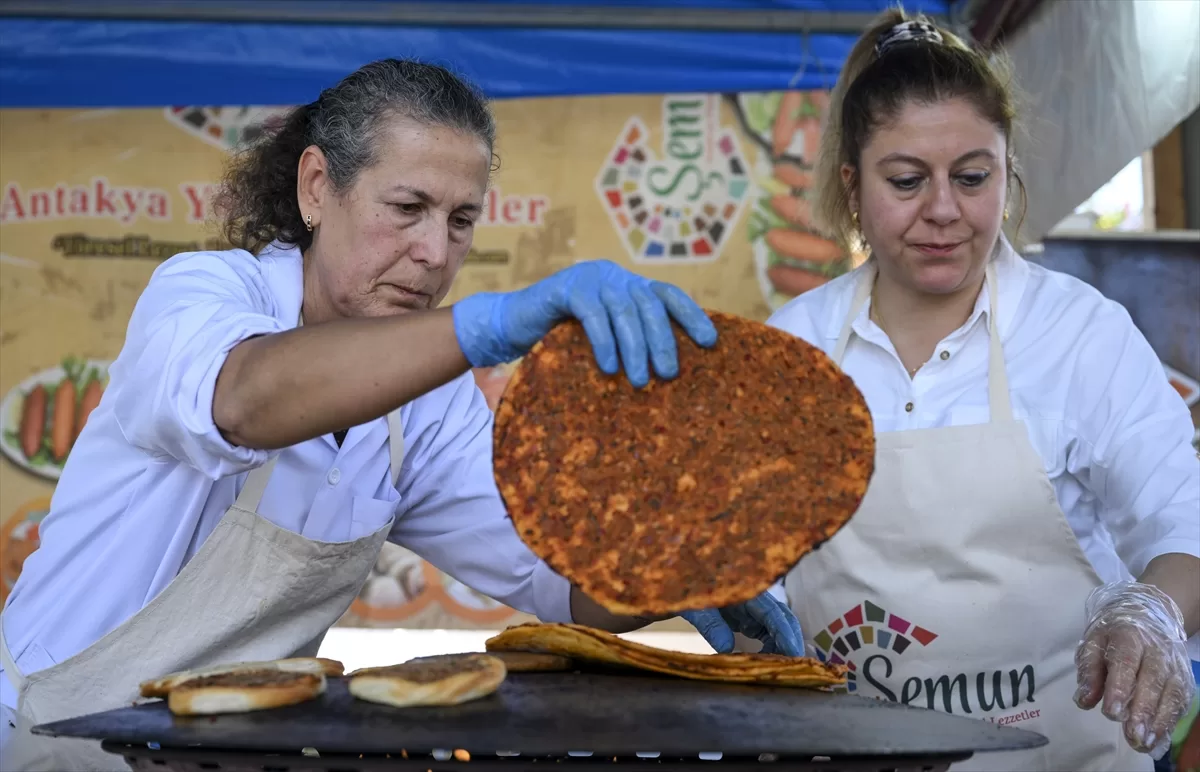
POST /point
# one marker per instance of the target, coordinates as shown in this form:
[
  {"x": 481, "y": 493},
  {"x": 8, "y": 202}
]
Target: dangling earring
[
  {"x": 1006, "y": 214},
  {"x": 860, "y": 240},
  {"x": 308, "y": 221}
]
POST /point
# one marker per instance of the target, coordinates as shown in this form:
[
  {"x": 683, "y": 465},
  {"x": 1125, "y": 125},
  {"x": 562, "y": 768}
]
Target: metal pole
[{"x": 445, "y": 14}]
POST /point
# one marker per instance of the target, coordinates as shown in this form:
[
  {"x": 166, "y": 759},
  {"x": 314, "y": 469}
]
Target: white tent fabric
[{"x": 1104, "y": 81}]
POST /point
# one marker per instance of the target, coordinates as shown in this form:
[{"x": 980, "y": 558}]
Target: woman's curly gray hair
[{"x": 257, "y": 197}]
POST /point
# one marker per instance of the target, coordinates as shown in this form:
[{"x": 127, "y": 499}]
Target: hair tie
[{"x": 907, "y": 32}]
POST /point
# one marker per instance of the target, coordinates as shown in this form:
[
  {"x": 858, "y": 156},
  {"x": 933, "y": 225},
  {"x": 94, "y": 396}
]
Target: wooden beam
[
  {"x": 996, "y": 20},
  {"x": 1191, "y": 169},
  {"x": 1170, "y": 205}
]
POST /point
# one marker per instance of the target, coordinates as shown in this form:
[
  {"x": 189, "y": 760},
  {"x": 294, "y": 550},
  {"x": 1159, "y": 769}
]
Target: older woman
[
  {"x": 281, "y": 409},
  {"x": 1029, "y": 544}
]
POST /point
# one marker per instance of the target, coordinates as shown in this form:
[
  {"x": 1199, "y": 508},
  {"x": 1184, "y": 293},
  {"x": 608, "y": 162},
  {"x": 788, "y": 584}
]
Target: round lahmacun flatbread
[
  {"x": 516, "y": 661},
  {"x": 589, "y": 645},
  {"x": 697, "y": 492},
  {"x": 449, "y": 680},
  {"x": 242, "y": 691},
  {"x": 161, "y": 687}
]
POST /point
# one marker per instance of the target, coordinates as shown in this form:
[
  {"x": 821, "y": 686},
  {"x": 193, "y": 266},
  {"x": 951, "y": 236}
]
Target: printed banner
[{"x": 706, "y": 191}]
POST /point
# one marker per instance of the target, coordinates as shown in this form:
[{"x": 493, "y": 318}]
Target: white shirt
[
  {"x": 151, "y": 476},
  {"x": 1114, "y": 435}
]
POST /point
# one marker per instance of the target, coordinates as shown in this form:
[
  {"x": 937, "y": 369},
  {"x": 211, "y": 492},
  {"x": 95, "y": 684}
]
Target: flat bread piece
[
  {"x": 161, "y": 687},
  {"x": 698, "y": 492},
  {"x": 585, "y": 644},
  {"x": 449, "y": 680},
  {"x": 518, "y": 661},
  {"x": 243, "y": 691},
  {"x": 330, "y": 667}
]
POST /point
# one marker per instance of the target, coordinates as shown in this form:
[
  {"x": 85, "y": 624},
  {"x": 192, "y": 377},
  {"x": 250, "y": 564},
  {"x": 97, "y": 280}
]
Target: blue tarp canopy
[{"x": 95, "y": 57}]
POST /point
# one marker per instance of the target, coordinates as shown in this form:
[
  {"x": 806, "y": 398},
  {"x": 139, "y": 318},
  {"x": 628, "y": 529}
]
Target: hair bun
[{"x": 907, "y": 32}]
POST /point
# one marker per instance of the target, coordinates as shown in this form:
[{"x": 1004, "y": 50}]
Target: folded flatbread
[
  {"x": 697, "y": 492},
  {"x": 585, "y": 644},
  {"x": 518, "y": 661},
  {"x": 448, "y": 680},
  {"x": 243, "y": 691},
  {"x": 161, "y": 687}
]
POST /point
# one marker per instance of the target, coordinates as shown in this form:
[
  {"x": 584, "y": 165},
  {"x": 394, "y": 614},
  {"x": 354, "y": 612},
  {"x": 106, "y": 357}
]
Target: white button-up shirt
[
  {"x": 1114, "y": 435},
  {"x": 151, "y": 475}
]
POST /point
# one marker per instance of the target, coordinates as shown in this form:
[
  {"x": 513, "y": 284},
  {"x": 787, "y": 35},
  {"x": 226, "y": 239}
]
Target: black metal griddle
[{"x": 546, "y": 716}]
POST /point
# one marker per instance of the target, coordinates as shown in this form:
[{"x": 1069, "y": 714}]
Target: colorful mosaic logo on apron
[
  {"x": 864, "y": 626},
  {"x": 871, "y": 642},
  {"x": 678, "y": 208}
]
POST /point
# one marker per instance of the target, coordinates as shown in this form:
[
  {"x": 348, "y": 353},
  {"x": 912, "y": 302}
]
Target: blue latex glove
[
  {"x": 763, "y": 618},
  {"x": 619, "y": 311}
]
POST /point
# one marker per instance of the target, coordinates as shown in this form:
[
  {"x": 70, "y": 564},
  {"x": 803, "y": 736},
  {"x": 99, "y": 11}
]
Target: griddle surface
[{"x": 554, "y": 713}]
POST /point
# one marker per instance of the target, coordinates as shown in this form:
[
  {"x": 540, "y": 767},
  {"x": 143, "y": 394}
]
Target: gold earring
[
  {"x": 308, "y": 222},
  {"x": 1006, "y": 214}
]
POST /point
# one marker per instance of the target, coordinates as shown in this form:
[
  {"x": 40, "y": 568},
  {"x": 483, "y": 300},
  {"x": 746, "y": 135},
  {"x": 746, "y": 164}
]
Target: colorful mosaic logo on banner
[
  {"x": 866, "y": 625},
  {"x": 226, "y": 127},
  {"x": 679, "y": 208}
]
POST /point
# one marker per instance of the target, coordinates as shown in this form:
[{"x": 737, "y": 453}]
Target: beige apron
[
  {"x": 254, "y": 591},
  {"x": 959, "y": 585}
]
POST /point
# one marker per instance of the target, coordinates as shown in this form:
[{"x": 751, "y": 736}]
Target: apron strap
[
  {"x": 999, "y": 401},
  {"x": 395, "y": 444},
  {"x": 15, "y": 676},
  {"x": 256, "y": 482}
]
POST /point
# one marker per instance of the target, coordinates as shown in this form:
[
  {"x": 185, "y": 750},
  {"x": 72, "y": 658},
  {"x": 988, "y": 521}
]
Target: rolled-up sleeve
[
  {"x": 452, "y": 514},
  {"x": 196, "y": 308},
  {"x": 1131, "y": 443}
]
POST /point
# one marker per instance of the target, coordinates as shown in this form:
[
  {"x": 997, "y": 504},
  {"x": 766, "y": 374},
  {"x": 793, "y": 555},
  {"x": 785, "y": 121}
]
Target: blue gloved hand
[
  {"x": 494, "y": 328},
  {"x": 764, "y": 618}
]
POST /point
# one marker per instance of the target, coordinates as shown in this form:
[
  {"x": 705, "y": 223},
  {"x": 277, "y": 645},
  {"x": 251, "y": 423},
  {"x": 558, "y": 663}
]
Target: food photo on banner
[{"x": 708, "y": 191}]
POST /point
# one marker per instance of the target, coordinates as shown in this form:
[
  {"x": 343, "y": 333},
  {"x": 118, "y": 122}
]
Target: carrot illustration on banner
[
  {"x": 43, "y": 416},
  {"x": 790, "y": 256},
  {"x": 800, "y": 245},
  {"x": 787, "y": 121},
  {"x": 33, "y": 421}
]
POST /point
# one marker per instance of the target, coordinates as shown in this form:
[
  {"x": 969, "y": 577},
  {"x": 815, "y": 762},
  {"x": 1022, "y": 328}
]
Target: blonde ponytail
[
  {"x": 831, "y": 208},
  {"x": 872, "y": 89}
]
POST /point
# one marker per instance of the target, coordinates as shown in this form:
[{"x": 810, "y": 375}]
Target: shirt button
[
  {"x": 335, "y": 475},
  {"x": 908, "y": 408},
  {"x": 945, "y": 355}
]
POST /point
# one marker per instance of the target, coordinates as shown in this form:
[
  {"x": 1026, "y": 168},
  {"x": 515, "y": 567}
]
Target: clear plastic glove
[
  {"x": 1133, "y": 656},
  {"x": 764, "y": 618},
  {"x": 620, "y": 311}
]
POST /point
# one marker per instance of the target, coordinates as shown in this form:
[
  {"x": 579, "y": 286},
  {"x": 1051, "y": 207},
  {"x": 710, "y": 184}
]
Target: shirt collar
[
  {"x": 283, "y": 268},
  {"x": 1012, "y": 274}
]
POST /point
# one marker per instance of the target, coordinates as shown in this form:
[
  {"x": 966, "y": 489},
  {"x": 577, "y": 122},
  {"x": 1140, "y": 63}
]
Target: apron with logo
[
  {"x": 254, "y": 591},
  {"x": 959, "y": 585}
]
